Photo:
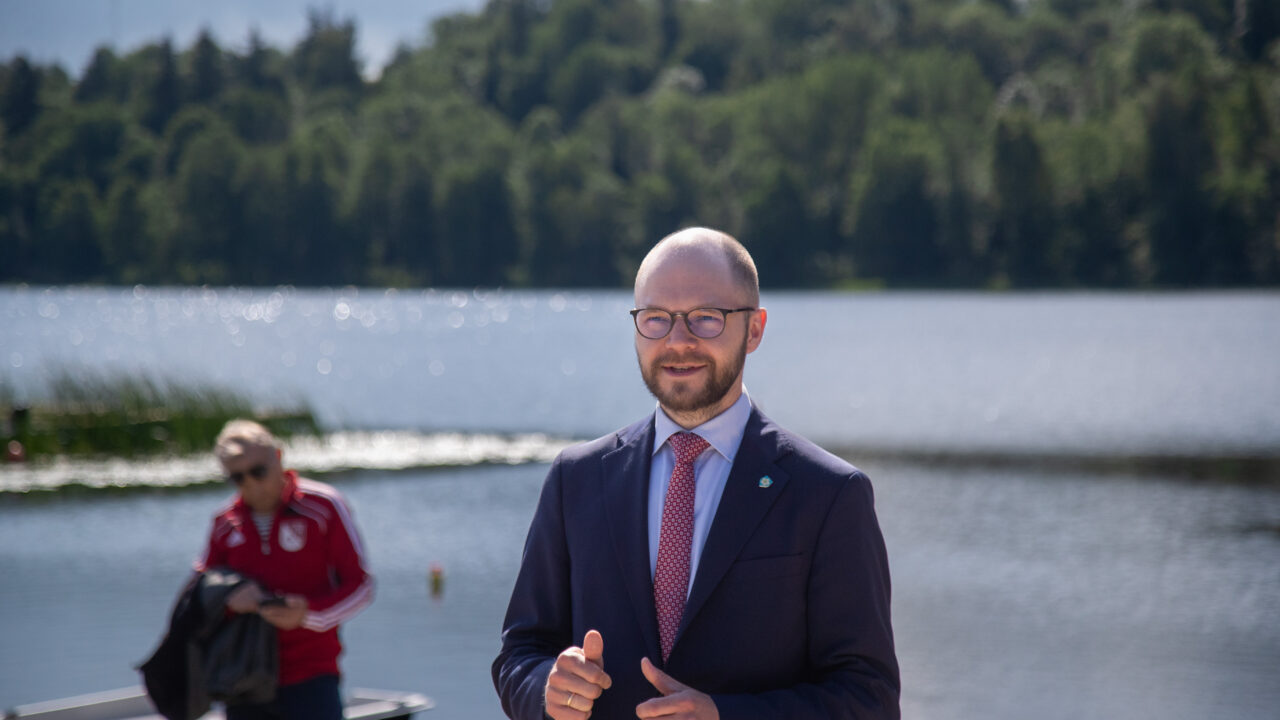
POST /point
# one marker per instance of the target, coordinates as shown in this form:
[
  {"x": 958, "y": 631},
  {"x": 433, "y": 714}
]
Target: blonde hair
[{"x": 239, "y": 435}]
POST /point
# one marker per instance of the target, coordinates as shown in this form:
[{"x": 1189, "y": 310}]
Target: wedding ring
[{"x": 569, "y": 700}]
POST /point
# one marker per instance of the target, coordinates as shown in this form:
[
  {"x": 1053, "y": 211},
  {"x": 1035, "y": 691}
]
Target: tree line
[{"x": 903, "y": 143}]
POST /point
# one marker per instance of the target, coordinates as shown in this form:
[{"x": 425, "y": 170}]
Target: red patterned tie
[{"x": 671, "y": 579}]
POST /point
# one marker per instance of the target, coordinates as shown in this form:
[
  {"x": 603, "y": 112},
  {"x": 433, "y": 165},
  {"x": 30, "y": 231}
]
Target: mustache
[{"x": 685, "y": 359}]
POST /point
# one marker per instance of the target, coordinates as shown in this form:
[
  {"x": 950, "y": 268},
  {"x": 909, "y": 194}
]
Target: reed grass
[{"x": 128, "y": 415}]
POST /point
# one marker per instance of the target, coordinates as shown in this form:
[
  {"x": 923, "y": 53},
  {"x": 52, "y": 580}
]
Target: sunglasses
[{"x": 258, "y": 472}]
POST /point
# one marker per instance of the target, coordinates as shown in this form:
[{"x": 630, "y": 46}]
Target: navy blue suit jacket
[{"x": 787, "y": 617}]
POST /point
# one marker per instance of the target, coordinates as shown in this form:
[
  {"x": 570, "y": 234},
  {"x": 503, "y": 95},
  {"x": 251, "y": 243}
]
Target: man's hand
[
  {"x": 678, "y": 701},
  {"x": 245, "y": 598},
  {"x": 576, "y": 680},
  {"x": 287, "y": 616}
]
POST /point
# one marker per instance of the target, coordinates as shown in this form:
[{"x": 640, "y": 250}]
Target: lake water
[
  {"x": 1085, "y": 373},
  {"x": 1022, "y": 588}
]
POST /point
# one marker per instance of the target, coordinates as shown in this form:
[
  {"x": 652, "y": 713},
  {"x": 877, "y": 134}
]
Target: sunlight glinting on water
[{"x": 334, "y": 452}]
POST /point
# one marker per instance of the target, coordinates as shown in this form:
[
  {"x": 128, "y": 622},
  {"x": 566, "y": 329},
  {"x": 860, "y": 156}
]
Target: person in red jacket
[{"x": 296, "y": 538}]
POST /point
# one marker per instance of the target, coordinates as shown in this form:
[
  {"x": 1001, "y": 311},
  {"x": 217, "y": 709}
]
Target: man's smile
[{"x": 682, "y": 370}]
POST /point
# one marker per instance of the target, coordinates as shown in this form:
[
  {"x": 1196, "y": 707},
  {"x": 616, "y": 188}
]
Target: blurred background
[
  {"x": 1020, "y": 257},
  {"x": 1047, "y": 143}
]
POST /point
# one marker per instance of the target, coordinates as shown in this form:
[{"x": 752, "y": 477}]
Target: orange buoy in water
[{"x": 436, "y": 580}]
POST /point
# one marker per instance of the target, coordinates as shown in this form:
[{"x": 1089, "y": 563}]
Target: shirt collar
[{"x": 723, "y": 432}]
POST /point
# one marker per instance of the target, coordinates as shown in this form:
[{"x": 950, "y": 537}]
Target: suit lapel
[
  {"x": 742, "y": 506},
  {"x": 626, "y": 490}
]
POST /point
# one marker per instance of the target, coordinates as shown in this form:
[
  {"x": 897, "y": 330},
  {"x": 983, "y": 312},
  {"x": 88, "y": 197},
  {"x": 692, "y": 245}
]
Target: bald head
[{"x": 707, "y": 247}]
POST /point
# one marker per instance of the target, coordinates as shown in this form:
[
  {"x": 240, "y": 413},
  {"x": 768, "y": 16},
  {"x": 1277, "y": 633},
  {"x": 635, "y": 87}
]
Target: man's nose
[{"x": 680, "y": 333}]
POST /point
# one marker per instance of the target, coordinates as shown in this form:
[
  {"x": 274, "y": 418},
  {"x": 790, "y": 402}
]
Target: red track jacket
[{"x": 313, "y": 550}]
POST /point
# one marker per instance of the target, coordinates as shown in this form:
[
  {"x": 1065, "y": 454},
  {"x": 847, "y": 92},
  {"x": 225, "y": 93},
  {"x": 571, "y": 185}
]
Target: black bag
[
  {"x": 241, "y": 661},
  {"x": 171, "y": 674},
  {"x": 210, "y": 655}
]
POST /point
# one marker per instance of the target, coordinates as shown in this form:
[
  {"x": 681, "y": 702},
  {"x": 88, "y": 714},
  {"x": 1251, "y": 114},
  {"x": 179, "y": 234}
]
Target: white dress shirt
[{"x": 711, "y": 470}]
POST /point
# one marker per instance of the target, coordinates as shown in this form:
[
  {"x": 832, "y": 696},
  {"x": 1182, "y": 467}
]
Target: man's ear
[{"x": 755, "y": 328}]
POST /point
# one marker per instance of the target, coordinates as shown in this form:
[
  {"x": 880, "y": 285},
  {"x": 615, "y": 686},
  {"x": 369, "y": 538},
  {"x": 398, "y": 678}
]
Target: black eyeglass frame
[
  {"x": 726, "y": 312},
  {"x": 258, "y": 472}
]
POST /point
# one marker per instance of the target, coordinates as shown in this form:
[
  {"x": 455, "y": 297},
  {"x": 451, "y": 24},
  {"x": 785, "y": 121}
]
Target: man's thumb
[
  {"x": 593, "y": 646},
  {"x": 660, "y": 680}
]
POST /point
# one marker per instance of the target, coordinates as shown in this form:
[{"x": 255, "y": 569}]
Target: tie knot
[{"x": 687, "y": 446}]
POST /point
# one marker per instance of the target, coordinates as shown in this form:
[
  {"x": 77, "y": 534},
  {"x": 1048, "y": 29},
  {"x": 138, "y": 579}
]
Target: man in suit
[{"x": 710, "y": 563}]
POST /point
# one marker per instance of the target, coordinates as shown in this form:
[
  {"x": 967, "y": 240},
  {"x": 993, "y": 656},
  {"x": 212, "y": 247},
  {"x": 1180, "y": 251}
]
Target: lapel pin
[{"x": 766, "y": 481}]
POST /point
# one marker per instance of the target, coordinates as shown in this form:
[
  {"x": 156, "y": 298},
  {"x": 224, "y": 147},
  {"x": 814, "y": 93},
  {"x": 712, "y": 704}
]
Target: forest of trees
[{"x": 903, "y": 143}]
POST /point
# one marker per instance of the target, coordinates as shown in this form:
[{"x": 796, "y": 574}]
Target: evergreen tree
[
  {"x": 414, "y": 236},
  {"x": 20, "y": 99},
  {"x": 162, "y": 98},
  {"x": 325, "y": 59},
  {"x": 897, "y": 215},
  {"x": 126, "y": 241},
  {"x": 260, "y": 69},
  {"x": 67, "y": 245},
  {"x": 207, "y": 72},
  {"x": 1023, "y": 244},
  {"x": 101, "y": 79},
  {"x": 479, "y": 239},
  {"x": 1257, "y": 26}
]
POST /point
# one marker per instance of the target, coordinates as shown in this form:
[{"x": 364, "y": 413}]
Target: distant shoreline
[
  {"x": 1251, "y": 468},
  {"x": 346, "y": 453}
]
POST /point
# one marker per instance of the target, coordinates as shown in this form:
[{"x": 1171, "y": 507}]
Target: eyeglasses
[
  {"x": 258, "y": 472},
  {"x": 706, "y": 323}
]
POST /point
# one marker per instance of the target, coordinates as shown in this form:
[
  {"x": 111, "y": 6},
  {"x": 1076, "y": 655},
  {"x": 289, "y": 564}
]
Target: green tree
[
  {"x": 1096, "y": 199},
  {"x": 1244, "y": 184},
  {"x": 477, "y": 229},
  {"x": 897, "y": 206},
  {"x": 1024, "y": 246},
  {"x": 210, "y": 231},
  {"x": 1259, "y": 25},
  {"x": 984, "y": 30},
  {"x": 1168, "y": 45},
  {"x": 258, "y": 117},
  {"x": 67, "y": 248},
  {"x": 572, "y": 206},
  {"x": 190, "y": 123},
  {"x": 663, "y": 202},
  {"x": 369, "y": 209},
  {"x": 1178, "y": 156},
  {"x": 710, "y": 42},
  {"x": 162, "y": 96},
  {"x": 944, "y": 88},
  {"x": 1214, "y": 16},
  {"x": 82, "y": 144},
  {"x": 311, "y": 233},
  {"x": 101, "y": 79},
  {"x": 208, "y": 74},
  {"x": 593, "y": 72},
  {"x": 260, "y": 69},
  {"x": 668, "y": 27},
  {"x": 325, "y": 59},
  {"x": 414, "y": 235},
  {"x": 267, "y": 257},
  {"x": 17, "y": 208},
  {"x": 20, "y": 99},
  {"x": 1044, "y": 36},
  {"x": 126, "y": 238},
  {"x": 778, "y": 232}
]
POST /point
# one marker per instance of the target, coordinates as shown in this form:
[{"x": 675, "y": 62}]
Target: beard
[{"x": 683, "y": 396}]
